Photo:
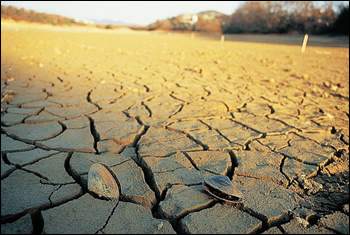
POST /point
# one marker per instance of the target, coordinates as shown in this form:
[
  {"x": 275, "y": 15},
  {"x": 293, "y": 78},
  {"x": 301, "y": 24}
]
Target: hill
[
  {"x": 20, "y": 14},
  {"x": 264, "y": 17},
  {"x": 207, "y": 21}
]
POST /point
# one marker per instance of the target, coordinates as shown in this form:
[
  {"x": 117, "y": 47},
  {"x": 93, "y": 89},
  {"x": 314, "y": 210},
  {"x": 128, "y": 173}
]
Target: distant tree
[
  {"x": 208, "y": 25},
  {"x": 324, "y": 18},
  {"x": 9, "y": 12},
  {"x": 283, "y": 17},
  {"x": 166, "y": 24},
  {"x": 257, "y": 17},
  {"x": 341, "y": 24}
]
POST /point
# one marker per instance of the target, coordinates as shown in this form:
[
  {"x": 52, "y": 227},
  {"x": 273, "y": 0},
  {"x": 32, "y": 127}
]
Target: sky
[{"x": 129, "y": 12}]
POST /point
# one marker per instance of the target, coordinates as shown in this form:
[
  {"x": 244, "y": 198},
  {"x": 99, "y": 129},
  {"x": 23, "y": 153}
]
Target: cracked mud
[{"x": 164, "y": 112}]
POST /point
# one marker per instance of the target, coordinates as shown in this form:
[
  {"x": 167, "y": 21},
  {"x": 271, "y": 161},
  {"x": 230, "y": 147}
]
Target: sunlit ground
[{"x": 160, "y": 99}]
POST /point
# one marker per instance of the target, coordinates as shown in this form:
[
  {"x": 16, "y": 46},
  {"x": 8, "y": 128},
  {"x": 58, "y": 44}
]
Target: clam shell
[
  {"x": 103, "y": 182},
  {"x": 223, "y": 188}
]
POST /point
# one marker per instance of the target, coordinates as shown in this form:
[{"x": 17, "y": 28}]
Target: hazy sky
[{"x": 133, "y": 12}]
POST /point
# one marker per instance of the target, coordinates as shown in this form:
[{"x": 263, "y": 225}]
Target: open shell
[
  {"x": 103, "y": 182},
  {"x": 221, "y": 187}
]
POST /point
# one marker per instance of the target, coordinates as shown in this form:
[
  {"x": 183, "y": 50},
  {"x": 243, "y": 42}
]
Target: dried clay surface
[{"x": 163, "y": 112}]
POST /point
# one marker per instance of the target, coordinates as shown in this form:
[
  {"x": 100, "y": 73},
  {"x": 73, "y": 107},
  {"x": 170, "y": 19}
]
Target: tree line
[
  {"x": 288, "y": 17},
  {"x": 313, "y": 17},
  {"x": 20, "y": 14}
]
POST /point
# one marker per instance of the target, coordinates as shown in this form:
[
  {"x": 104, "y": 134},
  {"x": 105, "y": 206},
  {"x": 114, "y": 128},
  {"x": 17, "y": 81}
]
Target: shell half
[
  {"x": 103, "y": 182},
  {"x": 221, "y": 187}
]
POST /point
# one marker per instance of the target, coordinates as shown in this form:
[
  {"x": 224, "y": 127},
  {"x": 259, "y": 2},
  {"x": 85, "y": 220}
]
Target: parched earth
[{"x": 165, "y": 112}]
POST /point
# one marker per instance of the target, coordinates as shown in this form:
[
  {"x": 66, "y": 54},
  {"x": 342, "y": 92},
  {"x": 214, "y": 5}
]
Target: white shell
[{"x": 103, "y": 182}]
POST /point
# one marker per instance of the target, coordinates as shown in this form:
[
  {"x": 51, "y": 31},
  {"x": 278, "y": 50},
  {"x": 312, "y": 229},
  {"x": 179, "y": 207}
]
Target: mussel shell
[
  {"x": 103, "y": 182},
  {"x": 221, "y": 187}
]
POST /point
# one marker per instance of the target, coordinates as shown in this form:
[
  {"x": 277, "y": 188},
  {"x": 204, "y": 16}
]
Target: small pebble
[
  {"x": 303, "y": 222},
  {"x": 330, "y": 116},
  {"x": 160, "y": 226},
  {"x": 9, "y": 92},
  {"x": 325, "y": 94},
  {"x": 7, "y": 98},
  {"x": 57, "y": 51},
  {"x": 334, "y": 87},
  {"x": 305, "y": 76},
  {"x": 346, "y": 209},
  {"x": 327, "y": 84}
]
